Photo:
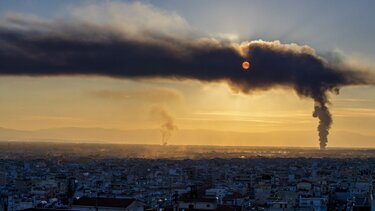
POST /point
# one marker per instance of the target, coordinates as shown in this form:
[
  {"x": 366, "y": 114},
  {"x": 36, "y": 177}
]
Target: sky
[{"x": 200, "y": 107}]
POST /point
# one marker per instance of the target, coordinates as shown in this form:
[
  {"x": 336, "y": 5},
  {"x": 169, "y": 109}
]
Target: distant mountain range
[{"x": 187, "y": 137}]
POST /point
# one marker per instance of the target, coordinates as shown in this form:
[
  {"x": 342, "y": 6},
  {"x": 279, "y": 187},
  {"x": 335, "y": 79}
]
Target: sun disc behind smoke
[{"x": 245, "y": 65}]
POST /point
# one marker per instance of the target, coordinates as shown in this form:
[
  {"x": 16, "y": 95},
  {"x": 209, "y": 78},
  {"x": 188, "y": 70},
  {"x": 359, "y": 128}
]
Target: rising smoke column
[
  {"x": 167, "y": 127},
  {"x": 35, "y": 47},
  {"x": 325, "y": 121}
]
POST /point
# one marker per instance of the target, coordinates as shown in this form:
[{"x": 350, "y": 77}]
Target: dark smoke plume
[
  {"x": 57, "y": 48},
  {"x": 325, "y": 122},
  {"x": 167, "y": 127}
]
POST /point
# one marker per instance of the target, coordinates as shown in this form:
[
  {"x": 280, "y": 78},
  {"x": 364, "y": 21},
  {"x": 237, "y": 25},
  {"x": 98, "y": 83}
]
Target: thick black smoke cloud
[{"x": 80, "y": 49}]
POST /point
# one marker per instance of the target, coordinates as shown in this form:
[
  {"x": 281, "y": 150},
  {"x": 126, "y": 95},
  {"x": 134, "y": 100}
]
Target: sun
[{"x": 245, "y": 65}]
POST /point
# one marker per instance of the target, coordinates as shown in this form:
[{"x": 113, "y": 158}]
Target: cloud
[
  {"x": 355, "y": 112},
  {"x": 156, "y": 95},
  {"x": 38, "y": 47},
  {"x": 137, "y": 21}
]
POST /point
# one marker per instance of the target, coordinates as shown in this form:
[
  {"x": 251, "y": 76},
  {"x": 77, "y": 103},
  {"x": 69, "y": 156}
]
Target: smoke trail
[
  {"x": 37, "y": 47},
  {"x": 325, "y": 121},
  {"x": 167, "y": 127}
]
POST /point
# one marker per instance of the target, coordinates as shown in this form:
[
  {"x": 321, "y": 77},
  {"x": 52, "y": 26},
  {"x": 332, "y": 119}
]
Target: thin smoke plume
[
  {"x": 168, "y": 125},
  {"x": 37, "y": 47}
]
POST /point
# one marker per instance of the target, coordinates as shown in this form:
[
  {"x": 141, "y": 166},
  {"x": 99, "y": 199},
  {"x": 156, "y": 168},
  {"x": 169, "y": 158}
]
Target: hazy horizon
[
  {"x": 98, "y": 151},
  {"x": 183, "y": 137}
]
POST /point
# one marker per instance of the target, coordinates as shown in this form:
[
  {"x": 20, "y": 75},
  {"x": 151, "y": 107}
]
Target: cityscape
[{"x": 93, "y": 176}]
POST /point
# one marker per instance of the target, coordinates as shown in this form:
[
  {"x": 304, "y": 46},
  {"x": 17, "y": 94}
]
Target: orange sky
[{"x": 261, "y": 118}]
